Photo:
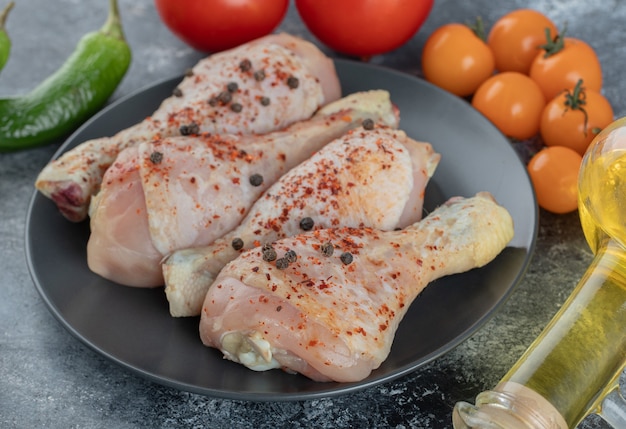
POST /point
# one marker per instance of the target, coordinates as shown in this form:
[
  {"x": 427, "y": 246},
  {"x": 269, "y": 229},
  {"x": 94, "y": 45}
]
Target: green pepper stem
[
  {"x": 4, "y": 14},
  {"x": 113, "y": 25}
]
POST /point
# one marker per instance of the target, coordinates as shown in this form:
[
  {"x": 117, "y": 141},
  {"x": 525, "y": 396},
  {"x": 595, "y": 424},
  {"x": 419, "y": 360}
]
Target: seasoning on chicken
[
  {"x": 333, "y": 318},
  {"x": 245, "y": 90},
  {"x": 368, "y": 177},
  {"x": 180, "y": 192}
]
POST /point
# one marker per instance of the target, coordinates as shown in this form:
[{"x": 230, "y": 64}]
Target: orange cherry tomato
[
  {"x": 574, "y": 118},
  {"x": 513, "y": 102},
  {"x": 456, "y": 59},
  {"x": 568, "y": 61},
  {"x": 554, "y": 174},
  {"x": 516, "y": 39}
]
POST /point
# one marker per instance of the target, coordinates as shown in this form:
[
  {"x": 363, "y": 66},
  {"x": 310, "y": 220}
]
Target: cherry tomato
[
  {"x": 513, "y": 102},
  {"x": 554, "y": 174},
  {"x": 516, "y": 37},
  {"x": 363, "y": 27},
  {"x": 568, "y": 61},
  {"x": 456, "y": 59},
  {"x": 215, "y": 25},
  {"x": 574, "y": 118}
]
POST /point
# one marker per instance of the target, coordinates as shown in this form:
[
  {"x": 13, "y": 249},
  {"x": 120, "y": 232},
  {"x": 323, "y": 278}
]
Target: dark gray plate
[{"x": 133, "y": 328}]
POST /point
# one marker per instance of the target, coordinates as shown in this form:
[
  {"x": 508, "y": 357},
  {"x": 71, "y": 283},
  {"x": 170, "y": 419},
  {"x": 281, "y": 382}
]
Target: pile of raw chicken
[{"x": 286, "y": 217}]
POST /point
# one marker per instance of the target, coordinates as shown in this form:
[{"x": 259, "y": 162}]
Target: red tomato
[
  {"x": 574, "y": 118},
  {"x": 363, "y": 27},
  {"x": 565, "y": 65},
  {"x": 554, "y": 174},
  {"x": 513, "y": 102},
  {"x": 456, "y": 59},
  {"x": 215, "y": 25},
  {"x": 516, "y": 39}
]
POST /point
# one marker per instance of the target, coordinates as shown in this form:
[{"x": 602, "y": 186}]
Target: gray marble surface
[{"x": 48, "y": 379}]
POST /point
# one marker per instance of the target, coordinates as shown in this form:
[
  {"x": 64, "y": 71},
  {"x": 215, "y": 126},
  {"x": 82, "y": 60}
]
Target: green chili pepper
[
  {"x": 77, "y": 90},
  {"x": 5, "y": 42}
]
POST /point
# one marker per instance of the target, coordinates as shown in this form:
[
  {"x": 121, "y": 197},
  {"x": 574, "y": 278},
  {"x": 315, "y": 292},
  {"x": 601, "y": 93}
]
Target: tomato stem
[
  {"x": 478, "y": 27},
  {"x": 553, "y": 45},
  {"x": 576, "y": 99}
]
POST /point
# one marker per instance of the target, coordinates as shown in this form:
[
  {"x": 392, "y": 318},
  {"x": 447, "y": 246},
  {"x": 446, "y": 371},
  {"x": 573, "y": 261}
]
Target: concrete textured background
[{"x": 49, "y": 379}]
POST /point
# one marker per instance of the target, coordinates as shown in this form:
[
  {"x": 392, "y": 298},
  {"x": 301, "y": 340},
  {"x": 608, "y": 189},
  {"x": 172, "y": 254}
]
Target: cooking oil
[
  {"x": 584, "y": 344},
  {"x": 559, "y": 377}
]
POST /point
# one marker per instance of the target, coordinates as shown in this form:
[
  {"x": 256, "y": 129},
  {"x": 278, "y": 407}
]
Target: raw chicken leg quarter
[
  {"x": 333, "y": 315},
  {"x": 262, "y": 86},
  {"x": 180, "y": 192},
  {"x": 368, "y": 177}
]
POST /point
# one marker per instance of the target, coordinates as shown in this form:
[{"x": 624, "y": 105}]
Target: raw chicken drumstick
[
  {"x": 373, "y": 178},
  {"x": 332, "y": 315},
  {"x": 180, "y": 192},
  {"x": 258, "y": 87}
]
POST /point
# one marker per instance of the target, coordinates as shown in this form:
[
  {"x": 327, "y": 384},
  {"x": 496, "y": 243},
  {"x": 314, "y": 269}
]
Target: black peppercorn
[
  {"x": 307, "y": 223},
  {"x": 368, "y": 124},
  {"x": 290, "y": 256},
  {"x": 327, "y": 249},
  {"x": 269, "y": 254},
  {"x": 236, "y": 107},
  {"x": 256, "y": 180},
  {"x": 293, "y": 82},
  {"x": 245, "y": 65},
  {"x": 156, "y": 157},
  {"x": 282, "y": 263},
  {"x": 232, "y": 87},
  {"x": 187, "y": 130},
  {"x": 225, "y": 97},
  {"x": 177, "y": 92},
  {"x": 237, "y": 243},
  {"x": 265, "y": 101},
  {"x": 259, "y": 75},
  {"x": 346, "y": 258}
]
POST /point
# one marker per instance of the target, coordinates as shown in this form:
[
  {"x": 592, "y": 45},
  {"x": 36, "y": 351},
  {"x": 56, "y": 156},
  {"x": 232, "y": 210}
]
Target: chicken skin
[
  {"x": 173, "y": 193},
  {"x": 369, "y": 177},
  {"x": 256, "y": 88},
  {"x": 331, "y": 315}
]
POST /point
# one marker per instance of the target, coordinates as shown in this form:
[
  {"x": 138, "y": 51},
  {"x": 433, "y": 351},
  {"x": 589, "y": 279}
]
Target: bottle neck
[{"x": 509, "y": 406}]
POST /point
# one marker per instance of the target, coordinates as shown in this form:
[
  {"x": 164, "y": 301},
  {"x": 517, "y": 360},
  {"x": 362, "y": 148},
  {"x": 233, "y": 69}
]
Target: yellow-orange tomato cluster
[{"x": 528, "y": 80}]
